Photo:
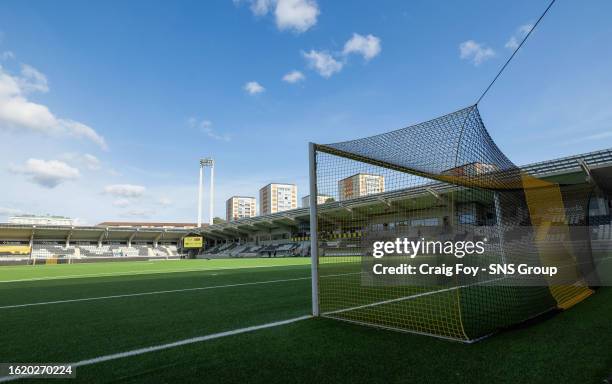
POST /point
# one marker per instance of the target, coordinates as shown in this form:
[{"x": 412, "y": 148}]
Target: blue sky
[{"x": 105, "y": 107}]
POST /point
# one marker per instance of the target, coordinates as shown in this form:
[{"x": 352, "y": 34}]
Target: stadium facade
[
  {"x": 40, "y": 220},
  {"x": 293, "y": 225},
  {"x": 283, "y": 233}
]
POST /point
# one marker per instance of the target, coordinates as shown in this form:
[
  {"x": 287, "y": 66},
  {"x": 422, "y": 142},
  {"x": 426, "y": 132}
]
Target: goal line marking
[
  {"x": 415, "y": 296},
  {"x": 175, "y": 344}
]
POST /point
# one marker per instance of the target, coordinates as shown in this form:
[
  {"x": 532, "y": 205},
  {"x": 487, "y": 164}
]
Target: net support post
[
  {"x": 499, "y": 224},
  {"x": 314, "y": 241}
]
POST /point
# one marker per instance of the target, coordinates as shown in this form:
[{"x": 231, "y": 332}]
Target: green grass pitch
[{"x": 570, "y": 347}]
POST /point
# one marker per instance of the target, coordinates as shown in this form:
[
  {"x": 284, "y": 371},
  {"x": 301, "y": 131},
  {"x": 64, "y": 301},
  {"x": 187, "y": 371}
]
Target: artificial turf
[
  {"x": 84, "y": 270},
  {"x": 571, "y": 347},
  {"x": 77, "y": 330}
]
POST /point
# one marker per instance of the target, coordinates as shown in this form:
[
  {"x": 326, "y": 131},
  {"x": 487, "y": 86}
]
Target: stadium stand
[
  {"x": 14, "y": 252},
  {"x": 269, "y": 249},
  {"x": 47, "y": 251},
  {"x": 287, "y": 233},
  {"x": 36, "y": 244},
  {"x": 251, "y": 251},
  {"x": 238, "y": 250},
  {"x": 44, "y": 251}
]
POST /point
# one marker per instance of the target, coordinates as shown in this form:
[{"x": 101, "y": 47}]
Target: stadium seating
[
  {"x": 251, "y": 251},
  {"x": 238, "y": 250},
  {"x": 166, "y": 250},
  {"x": 89, "y": 251},
  {"x": 270, "y": 249},
  {"x": 212, "y": 250},
  {"x": 43, "y": 251}
]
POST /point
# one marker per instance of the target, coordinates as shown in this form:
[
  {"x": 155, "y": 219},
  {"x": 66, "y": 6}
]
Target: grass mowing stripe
[
  {"x": 307, "y": 352},
  {"x": 166, "y": 291},
  {"x": 150, "y": 272},
  {"x": 98, "y": 328},
  {"x": 175, "y": 344},
  {"x": 150, "y": 293}
]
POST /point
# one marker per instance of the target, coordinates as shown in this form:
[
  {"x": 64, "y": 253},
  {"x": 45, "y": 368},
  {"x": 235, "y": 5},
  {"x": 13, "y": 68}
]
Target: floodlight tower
[{"x": 206, "y": 162}]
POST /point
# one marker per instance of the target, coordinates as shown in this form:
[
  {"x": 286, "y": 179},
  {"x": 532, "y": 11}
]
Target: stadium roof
[
  {"x": 20, "y": 232},
  {"x": 564, "y": 170},
  {"x": 571, "y": 169},
  {"x": 137, "y": 224}
]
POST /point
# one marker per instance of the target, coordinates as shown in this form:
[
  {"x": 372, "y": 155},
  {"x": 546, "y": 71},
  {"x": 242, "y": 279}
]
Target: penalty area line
[
  {"x": 149, "y": 293},
  {"x": 164, "y": 292},
  {"x": 141, "y": 351}
]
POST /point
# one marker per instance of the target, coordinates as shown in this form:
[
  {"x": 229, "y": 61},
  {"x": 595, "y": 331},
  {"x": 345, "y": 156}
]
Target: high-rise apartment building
[
  {"x": 277, "y": 197},
  {"x": 321, "y": 199},
  {"x": 239, "y": 207},
  {"x": 361, "y": 184}
]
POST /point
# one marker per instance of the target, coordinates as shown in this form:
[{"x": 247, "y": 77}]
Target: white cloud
[
  {"x": 322, "y": 62},
  {"x": 475, "y": 52},
  {"x": 512, "y": 43},
  {"x": 121, "y": 203},
  {"x": 367, "y": 46},
  {"x": 261, "y": 7},
  {"x": 45, "y": 173},
  {"x": 294, "y": 77},
  {"x": 326, "y": 64},
  {"x": 91, "y": 162},
  {"x": 32, "y": 80},
  {"x": 205, "y": 126},
  {"x": 86, "y": 160},
  {"x": 125, "y": 190},
  {"x": 19, "y": 113},
  {"x": 515, "y": 39},
  {"x": 253, "y": 88},
  {"x": 76, "y": 129},
  {"x": 525, "y": 29},
  {"x": 295, "y": 15}
]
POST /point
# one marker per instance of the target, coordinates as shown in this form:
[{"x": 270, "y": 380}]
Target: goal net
[{"x": 443, "y": 184}]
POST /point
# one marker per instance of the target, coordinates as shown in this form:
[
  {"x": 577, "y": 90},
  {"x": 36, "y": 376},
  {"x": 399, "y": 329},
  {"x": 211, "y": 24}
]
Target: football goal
[{"x": 414, "y": 230}]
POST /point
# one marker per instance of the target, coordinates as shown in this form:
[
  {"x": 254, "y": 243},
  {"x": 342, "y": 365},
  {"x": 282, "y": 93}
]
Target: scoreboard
[{"x": 193, "y": 242}]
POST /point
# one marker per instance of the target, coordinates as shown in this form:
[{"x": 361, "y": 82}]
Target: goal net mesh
[{"x": 443, "y": 180}]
